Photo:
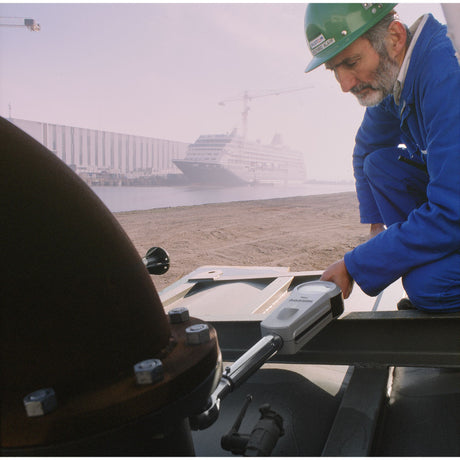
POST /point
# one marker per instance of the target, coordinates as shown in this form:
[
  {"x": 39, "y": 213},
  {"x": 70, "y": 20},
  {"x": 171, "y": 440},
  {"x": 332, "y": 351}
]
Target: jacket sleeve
[
  {"x": 431, "y": 231},
  {"x": 379, "y": 129}
]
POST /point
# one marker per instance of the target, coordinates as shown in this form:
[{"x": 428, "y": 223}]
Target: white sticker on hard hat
[
  {"x": 317, "y": 41},
  {"x": 323, "y": 45}
]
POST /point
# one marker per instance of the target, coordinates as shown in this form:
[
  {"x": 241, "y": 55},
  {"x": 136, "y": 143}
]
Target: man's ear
[{"x": 396, "y": 41}]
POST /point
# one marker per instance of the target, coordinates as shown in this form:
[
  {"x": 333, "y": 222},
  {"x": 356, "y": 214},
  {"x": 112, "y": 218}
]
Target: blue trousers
[{"x": 398, "y": 188}]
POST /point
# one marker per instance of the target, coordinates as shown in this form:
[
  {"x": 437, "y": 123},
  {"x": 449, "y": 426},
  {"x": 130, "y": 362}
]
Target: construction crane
[
  {"x": 248, "y": 97},
  {"x": 28, "y": 23}
]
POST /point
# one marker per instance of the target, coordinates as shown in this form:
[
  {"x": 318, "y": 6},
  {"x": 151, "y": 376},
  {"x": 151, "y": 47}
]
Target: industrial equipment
[{"x": 28, "y": 23}]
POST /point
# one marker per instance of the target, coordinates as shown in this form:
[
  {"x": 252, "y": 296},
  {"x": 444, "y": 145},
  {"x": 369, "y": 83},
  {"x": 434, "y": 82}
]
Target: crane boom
[
  {"x": 246, "y": 97},
  {"x": 28, "y": 23}
]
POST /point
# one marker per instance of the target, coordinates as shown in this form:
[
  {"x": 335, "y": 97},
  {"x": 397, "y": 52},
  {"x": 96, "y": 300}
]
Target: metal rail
[{"x": 389, "y": 338}]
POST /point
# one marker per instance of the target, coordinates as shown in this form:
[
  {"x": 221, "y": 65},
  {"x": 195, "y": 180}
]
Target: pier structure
[{"x": 109, "y": 158}]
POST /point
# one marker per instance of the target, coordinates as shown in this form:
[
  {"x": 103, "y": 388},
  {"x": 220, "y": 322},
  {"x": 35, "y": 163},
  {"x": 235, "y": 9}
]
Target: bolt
[
  {"x": 40, "y": 402},
  {"x": 178, "y": 315},
  {"x": 149, "y": 371},
  {"x": 197, "y": 334}
]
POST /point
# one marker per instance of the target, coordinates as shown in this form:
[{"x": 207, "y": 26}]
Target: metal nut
[
  {"x": 178, "y": 315},
  {"x": 197, "y": 334},
  {"x": 149, "y": 371},
  {"x": 40, "y": 402}
]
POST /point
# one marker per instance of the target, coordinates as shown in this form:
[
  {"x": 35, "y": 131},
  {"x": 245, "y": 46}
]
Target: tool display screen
[{"x": 310, "y": 289}]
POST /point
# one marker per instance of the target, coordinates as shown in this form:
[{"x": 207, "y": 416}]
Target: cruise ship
[{"x": 229, "y": 159}]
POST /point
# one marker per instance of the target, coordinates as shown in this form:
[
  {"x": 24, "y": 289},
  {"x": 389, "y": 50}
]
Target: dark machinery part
[
  {"x": 156, "y": 261},
  {"x": 79, "y": 314},
  {"x": 234, "y": 441},
  {"x": 262, "y": 439}
]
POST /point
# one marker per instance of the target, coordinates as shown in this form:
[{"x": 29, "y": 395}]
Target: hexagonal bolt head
[
  {"x": 40, "y": 402},
  {"x": 178, "y": 315},
  {"x": 149, "y": 371},
  {"x": 197, "y": 334}
]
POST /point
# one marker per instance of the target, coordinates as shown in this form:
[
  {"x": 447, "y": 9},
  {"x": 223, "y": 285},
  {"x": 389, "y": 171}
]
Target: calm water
[{"x": 139, "y": 198}]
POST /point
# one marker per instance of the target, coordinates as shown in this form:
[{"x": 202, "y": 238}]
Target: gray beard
[{"x": 386, "y": 76}]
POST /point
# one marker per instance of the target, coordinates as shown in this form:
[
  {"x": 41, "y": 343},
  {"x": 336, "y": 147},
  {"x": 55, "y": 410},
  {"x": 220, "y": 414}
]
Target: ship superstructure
[{"x": 228, "y": 159}]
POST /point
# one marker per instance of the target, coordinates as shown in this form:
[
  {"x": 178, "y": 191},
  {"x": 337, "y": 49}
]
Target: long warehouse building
[{"x": 95, "y": 154}]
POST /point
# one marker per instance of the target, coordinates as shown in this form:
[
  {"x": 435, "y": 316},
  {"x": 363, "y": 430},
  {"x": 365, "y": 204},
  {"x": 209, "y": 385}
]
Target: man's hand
[
  {"x": 338, "y": 274},
  {"x": 376, "y": 229}
]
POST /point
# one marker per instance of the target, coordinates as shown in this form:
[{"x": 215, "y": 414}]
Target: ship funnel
[{"x": 277, "y": 139}]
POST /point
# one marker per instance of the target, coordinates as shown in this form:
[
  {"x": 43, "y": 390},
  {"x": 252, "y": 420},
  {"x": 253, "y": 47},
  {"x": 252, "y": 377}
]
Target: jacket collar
[
  {"x": 417, "y": 59},
  {"x": 415, "y": 31}
]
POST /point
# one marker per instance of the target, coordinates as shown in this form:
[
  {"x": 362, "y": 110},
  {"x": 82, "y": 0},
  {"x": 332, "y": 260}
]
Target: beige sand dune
[{"x": 303, "y": 233}]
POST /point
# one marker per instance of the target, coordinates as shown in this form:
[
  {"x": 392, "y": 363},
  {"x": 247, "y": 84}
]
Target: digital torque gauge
[{"x": 308, "y": 309}]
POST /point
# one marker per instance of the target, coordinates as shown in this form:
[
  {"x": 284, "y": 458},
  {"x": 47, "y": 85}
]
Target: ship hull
[
  {"x": 210, "y": 174},
  {"x": 217, "y": 174}
]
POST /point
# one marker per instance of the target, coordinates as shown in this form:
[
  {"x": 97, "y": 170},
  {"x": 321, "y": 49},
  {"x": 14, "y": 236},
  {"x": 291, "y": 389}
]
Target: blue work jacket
[{"x": 427, "y": 121}]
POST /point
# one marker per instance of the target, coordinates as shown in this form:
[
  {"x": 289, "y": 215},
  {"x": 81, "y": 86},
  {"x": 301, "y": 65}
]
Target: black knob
[{"x": 157, "y": 261}]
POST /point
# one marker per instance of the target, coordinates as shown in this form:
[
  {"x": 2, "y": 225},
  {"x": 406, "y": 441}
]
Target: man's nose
[{"x": 346, "y": 79}]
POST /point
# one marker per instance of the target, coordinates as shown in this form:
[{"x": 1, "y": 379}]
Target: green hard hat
[{"x": 331, "y": 27}]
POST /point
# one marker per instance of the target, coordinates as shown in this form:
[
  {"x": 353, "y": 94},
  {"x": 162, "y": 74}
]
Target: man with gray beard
[{"x": 407, "y": 154}]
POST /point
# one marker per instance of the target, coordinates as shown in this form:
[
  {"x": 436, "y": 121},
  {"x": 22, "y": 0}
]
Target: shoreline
[{"x": 303, "y": 233}]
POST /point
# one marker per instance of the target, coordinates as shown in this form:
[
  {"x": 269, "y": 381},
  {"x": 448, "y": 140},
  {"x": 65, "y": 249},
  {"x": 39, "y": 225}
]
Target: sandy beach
[{"x": 303, "y": 233}]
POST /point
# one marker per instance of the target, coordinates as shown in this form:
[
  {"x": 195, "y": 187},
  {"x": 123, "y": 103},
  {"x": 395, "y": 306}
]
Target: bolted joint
[
  {"x": 149, "y": 371},
  {"x": 40, "y": 402},
  {"x": 197, "y": 334},
  {"x": 178, "y": 315}
]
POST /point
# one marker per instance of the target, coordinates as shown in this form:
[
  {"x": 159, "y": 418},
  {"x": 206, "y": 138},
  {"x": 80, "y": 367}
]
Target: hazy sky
[{"x": 160, "y": 70}]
